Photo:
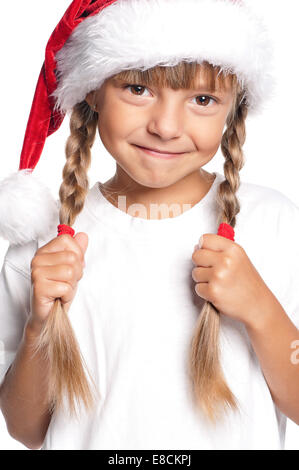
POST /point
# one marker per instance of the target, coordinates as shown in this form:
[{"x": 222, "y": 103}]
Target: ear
[{"x": 90, "y": 98}]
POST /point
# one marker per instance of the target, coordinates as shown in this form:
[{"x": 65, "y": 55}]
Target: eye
[
  {"x": 136, "y": 87},
  {"x": 205, "y": 100}
]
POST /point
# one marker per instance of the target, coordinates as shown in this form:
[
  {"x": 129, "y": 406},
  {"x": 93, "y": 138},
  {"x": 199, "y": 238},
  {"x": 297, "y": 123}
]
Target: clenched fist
[{"x": 55, "y": 271}]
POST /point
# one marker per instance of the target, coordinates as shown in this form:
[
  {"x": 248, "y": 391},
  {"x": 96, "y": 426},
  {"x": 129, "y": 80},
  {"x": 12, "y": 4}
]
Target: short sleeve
[{"x": 15, "y": 285}]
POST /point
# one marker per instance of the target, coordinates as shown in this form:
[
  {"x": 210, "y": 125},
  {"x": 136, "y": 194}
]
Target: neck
[{"x": 177, "y": 197}]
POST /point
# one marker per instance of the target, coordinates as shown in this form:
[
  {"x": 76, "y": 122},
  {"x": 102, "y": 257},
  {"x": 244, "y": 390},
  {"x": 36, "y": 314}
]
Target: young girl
[{"x": 167, "y": 346}]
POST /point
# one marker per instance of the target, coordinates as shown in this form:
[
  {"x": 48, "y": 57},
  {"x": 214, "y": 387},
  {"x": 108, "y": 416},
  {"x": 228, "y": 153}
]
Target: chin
[{"x": 156, "y": 181}]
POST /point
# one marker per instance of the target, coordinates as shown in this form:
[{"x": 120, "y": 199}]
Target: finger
[
  {"x": 64, "y": 242},
  {"x": 202, "y": 290},
  {"x": 201, "y": 274},
  {"x": 65, "y": 273},
  {"x": 60, "y": 257},
  {"x": 60, "y": 290},
  {"x": 62, "y": 273},
  {"x": 211, "y": 241},
  {"x": 205, "y": 258}
]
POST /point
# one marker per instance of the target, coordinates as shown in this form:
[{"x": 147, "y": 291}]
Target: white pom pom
[{"x": 27, "y": 208}]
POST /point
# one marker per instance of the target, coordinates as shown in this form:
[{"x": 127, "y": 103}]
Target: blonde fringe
[{"x": 57, "y": 340}]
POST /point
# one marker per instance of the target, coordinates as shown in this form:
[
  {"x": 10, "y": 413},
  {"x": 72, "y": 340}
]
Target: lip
[{"x": 164, "y": 155}]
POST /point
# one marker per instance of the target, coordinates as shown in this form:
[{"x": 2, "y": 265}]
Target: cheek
[
  {"x": 108, "y": 120},
  {"x": 117, "y": 121},
  {"x": 208, "y": 136}
]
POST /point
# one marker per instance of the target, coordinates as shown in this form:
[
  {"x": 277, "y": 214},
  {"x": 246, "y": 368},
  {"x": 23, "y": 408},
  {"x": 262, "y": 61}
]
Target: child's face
[{"x": 163, "y": 119}]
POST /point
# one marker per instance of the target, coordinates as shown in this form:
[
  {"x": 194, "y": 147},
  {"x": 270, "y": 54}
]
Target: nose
[{"x": 166, "y": 120}]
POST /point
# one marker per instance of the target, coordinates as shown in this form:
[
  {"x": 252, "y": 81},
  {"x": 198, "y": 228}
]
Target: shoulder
[
  {"x": 267, "y": 227},
  {"x": 266, "y": 205},
  {"x": 264, "y": 202},
  {"x": 19, "y": 256},
  {"x": 253, "y": 192},
  {"x": 268, "y": 219}
]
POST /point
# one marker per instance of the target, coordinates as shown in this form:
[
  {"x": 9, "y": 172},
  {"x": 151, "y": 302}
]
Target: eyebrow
[
  {"x": 206, "y": 87},
  {"x": 117, "y": 81},
  {"x": 209, "y": 89}
]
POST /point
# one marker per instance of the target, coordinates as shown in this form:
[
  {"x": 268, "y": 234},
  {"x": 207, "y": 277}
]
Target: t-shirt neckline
[{"x": 121, "y": 221}]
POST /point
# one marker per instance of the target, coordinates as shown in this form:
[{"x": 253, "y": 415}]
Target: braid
[
  {"x": 231, "y": 147},
  {"x": 57, "y": 340},
  {"x": 212, "y": 393}
]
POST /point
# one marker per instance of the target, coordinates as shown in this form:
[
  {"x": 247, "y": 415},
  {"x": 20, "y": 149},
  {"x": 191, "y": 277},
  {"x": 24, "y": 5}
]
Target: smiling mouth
[{"x": 155, "y": 153}]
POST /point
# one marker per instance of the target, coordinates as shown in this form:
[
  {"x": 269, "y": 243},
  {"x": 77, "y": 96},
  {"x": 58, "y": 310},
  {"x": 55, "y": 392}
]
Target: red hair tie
[
  {"x": 62, "y": 229},
  {"x": 227, "y": 231}
]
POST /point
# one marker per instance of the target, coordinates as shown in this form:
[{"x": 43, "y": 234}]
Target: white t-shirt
[{"x": 134, "y": 315}]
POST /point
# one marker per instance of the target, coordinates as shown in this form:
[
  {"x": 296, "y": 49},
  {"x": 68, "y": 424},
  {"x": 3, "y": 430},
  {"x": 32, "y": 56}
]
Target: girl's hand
[
  {"x": 55, "y": 271},
  {"x": 226, "y": 277}
]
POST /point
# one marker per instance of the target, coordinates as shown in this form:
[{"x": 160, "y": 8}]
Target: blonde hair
[{"x": 211, "y": 391}]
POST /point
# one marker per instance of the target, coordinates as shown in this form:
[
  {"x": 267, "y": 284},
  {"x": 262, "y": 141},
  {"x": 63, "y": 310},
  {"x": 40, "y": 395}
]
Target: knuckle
[
  {"x": 227, "y": 261},
  {"x": 72, "y": 258},
  {"x": 66, "y": 288},
  {"x": 69, "y": 271},
  {"x": 219, "y": 274}
]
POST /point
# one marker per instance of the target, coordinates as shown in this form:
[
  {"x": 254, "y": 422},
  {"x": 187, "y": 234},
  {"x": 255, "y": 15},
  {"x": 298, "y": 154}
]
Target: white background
[{"x": 271, "y": 148}]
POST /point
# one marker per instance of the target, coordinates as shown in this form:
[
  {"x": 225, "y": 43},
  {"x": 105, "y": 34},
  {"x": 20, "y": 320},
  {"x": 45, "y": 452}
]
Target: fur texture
[
  {"x": 144, "y": 33},
  {"x": 27, "y": 208}
]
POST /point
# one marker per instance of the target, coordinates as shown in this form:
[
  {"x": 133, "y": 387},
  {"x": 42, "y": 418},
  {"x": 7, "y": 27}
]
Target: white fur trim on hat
[
  {"x": 28, "y": 210},
  {"x": 144, "y": 33}
]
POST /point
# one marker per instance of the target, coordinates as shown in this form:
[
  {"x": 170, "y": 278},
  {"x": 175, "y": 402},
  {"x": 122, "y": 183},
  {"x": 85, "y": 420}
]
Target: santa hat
[{"x": 96, "y": 39}]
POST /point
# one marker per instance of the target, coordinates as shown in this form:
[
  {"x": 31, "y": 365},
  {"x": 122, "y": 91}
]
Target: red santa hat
[{"x": 96, "y": 39}]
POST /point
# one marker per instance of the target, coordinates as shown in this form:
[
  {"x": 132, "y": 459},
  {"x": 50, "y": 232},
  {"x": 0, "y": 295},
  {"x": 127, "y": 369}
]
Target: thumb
[{"x": 82, "y": 240}]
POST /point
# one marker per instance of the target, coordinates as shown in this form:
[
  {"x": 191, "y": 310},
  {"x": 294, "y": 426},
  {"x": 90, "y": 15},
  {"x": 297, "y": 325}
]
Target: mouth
[{"x": 155, "y": 153}]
